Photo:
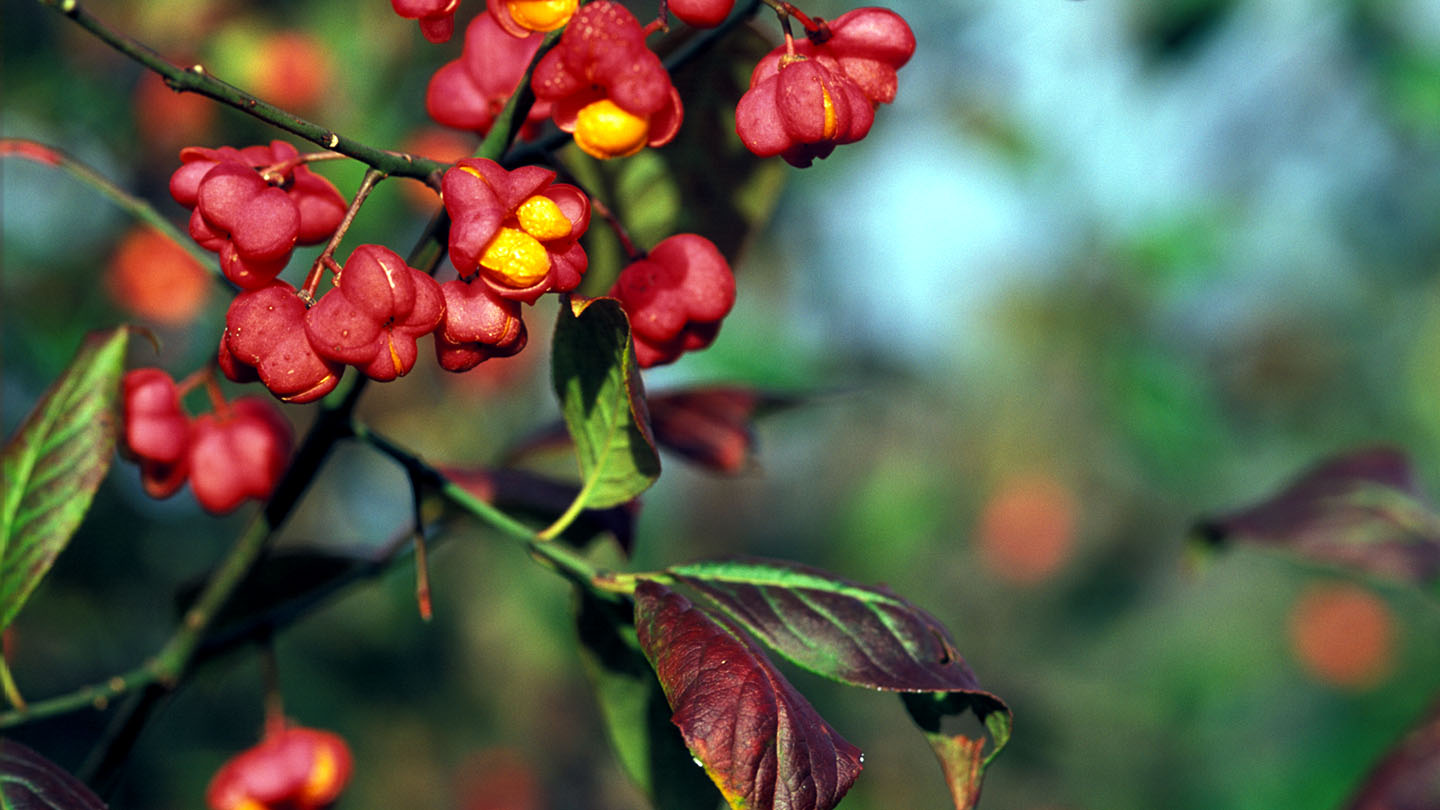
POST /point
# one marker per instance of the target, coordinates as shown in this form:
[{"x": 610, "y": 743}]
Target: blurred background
[{"x": 1103, "y": 268}]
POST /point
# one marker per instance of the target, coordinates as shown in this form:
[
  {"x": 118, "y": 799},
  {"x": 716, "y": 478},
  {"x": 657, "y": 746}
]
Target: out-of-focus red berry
[
  {"x": 478, "y": 325},
  {"x": 265, "y": 337},
  {"x": 292, "y": 769},
  {"x": 378, "y": 309},
  {"x": 676, "y": 298},
  {"x": 520, "y": 18},
  {"x": 607, "y": 88},
  {"x": 802, "y": 105},
  {"x": 155, "y": 430},
  {"x": 1343, "y": 635},
  {"x": 444, "y": 145},
  {"x": 518, "y": 230},
  {"x": 436, "y": 17},
  {"x": 701, "y": 13},
  {"x": 290, "y": 69},
  {"x": 469, "y": 92},
  {"x": 155, "y": 278},
  {"x": 1027, "y": 529},
  {"x": 168, "y": 119},
  {"x": 238, "y": 454}
]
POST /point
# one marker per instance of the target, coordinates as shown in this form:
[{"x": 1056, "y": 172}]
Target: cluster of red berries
[
  {"x": 604, "y": 85},
  {"x": 292, "y": 768},
  {"x": 234, "y": 453},
  {"x": 253, "y": 206},
  {"x": 675, "y": 298}
]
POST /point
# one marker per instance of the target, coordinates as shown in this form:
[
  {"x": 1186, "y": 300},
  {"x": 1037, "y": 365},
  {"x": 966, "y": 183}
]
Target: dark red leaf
[
  {"x": 760, "y": 741},
  {"x": 1409, "y": 776},
  {"x": 1361, "y": 510},
  {"x": 29, "y": 781},
  {"x": 713, "y": 426}
]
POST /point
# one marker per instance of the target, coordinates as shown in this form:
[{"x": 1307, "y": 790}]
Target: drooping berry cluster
[
  {"x": 292, "y": 768},
  {"x": 235, "y": 453},
  {"x": 676, "y": 298},
  {"x": 254, "y": 220},
  {"x": 806, "y": 99}
]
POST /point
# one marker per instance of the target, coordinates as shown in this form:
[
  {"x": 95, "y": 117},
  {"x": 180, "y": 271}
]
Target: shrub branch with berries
[{"x": 515, "y": 224}]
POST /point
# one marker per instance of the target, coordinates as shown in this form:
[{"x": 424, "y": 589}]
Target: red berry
[
  {"x": 608, "y": 88},
  {"x": 437, "y": 17},
  {"x": 469, "y": 92},
  {"x": 701, "y": 13},
  {"x": 801, "y": 105},
  {"x": 378, "y": 309},
  {"x": 238, "y": 454},
  {"x": 478, "y": 325},
  {"x": 518, "y": 230},
  {"x": 292, "y": 769},
  {"x": 156, "y": 431},
  {"x": 265, "y": 336},
  {"x": 676, "y": 298}
]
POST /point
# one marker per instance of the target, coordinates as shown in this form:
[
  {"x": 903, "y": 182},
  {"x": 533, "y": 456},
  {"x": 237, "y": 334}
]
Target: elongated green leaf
[
  {"x": 865, "y": 636},
  {"x": 636, "y": 716},
  {"x": 29, "y": 781},
  {"x": 603, "y": 401},
  {"x": 760, "y": 741},
  {"x": 55, "y": 462}
]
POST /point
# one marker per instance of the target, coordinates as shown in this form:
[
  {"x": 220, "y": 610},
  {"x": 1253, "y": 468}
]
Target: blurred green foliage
[{"x": 1165, "y": 255}]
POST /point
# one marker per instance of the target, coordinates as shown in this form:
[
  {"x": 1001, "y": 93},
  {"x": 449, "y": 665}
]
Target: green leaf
[
  {"x": 603, "y": 401},
  {"x": 636, "y": 715},
  {"x": 865, "y": 636},
  {"x": 29, "y": 781},
  {"x": 55, "y": 462}
]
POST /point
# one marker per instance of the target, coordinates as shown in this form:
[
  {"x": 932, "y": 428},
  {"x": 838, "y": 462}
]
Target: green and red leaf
[
  {"x": 29, "y": 781},
  {"x": 55, "y": 462},
  {"x": 759, "y": 740},
  {"x": 634, "y": 709},
  {"x": 603, "y": 401},
  {"x": 1408, "y": 778},
  {"x": 864, "y": 636},
  {"x": 1361, "y": 510}
]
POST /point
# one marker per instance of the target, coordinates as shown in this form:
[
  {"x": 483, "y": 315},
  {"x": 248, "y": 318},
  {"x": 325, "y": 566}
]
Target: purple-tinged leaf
[
  {"x": 55, "y": 462},
  {"x": 1361, "y": 510},
  {"x": 29, "y": 781},
  {"x": 603, "y": 401},
  {"x": 713, "y": 426},
  {"x": 523, "y": 493},
  {"x": 864, "y": 636},
  {"x": 1409, "y": 776},
  {"x": 635, "y": 712},
  {"x": 759, "y": 740}
]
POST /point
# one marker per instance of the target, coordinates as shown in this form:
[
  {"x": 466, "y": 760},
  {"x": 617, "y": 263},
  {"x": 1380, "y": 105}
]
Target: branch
[
  {"x": 135, "y": 206},
  {"x": 196, "y": 79}
]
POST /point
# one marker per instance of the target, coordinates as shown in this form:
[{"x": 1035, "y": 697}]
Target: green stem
[
  {"x": 196, "y": 79},
  {"x": 136, "y": 207},
  {"x": 567, "y": 563}
]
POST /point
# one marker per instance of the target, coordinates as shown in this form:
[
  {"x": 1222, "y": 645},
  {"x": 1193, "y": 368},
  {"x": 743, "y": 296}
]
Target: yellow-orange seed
[
  {"x": 604, "y": 130},
  {"x": 320, "y": 785},
  {"x": 515, "y": 258},
  {"x": 827, "y": 131},
  {"x": 541, "y": 15},
  {"x": 541, "y": 218}
]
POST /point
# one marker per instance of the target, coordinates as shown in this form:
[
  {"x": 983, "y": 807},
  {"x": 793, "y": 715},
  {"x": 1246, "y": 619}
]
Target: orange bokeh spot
[
  {"x": 1343, "y": 635},
  {"x": 168, "y": 120},
  {"x": 499, "y": 779},
  {"x": 156, "y": 279},
  {"x": 439, "y": 144},
  {"x": 290, "y": 69},
  {"x": 1027, "y": 529}
]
